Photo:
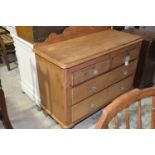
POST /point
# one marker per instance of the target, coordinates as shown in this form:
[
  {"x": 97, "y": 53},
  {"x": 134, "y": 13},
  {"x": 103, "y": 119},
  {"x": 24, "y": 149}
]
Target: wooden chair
[
  {"x": 122, "y": 103},
  {"x": 3, "y": 30},
  {"x": 3, "y": 110},
  {"x": 6, "y": 48}
]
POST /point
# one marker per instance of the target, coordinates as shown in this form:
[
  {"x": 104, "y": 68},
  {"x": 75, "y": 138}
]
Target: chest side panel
[{"x": 53, "y": 88}]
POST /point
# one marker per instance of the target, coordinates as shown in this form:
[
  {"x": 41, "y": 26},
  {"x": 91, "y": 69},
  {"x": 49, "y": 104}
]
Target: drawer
[
  {"x": 122, "y": 72},
  {"x": 95, "y": 85},
  {"x": 89, "y": 88},
  {"x": 89, "y": 105},
  {"x": 91, "y": 71},
  {"x": 126, "y": 54},
  {"x": 100, "y": 99},
  {"x": 120, "y": 87}
]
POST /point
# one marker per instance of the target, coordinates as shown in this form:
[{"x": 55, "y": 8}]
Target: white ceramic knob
[
  {"x": 127, "y": 59},
  {"x": 122, "y": 88},
  {"x": 95, "y": 71},
  {"x": 93, "y": 89},
  {"x": 125, "y": 73},
  {"x": 92, "y": 105}
]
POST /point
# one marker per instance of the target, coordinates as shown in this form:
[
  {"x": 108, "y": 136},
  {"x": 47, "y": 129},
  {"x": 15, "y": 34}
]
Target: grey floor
[{"x": 23, "y": 112}]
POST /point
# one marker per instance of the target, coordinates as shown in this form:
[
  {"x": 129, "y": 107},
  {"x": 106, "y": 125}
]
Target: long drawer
[
  {"x": 91, "y": 104},
  {"x": 99, "y": 83},
  {"x": 122, "y": 72},
  {"x": 120, "y": 87}
]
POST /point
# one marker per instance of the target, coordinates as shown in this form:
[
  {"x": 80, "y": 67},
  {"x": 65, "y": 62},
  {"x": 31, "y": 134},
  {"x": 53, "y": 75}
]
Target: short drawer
[
  {"x": 100, "y": 99},
  {"x": 91, "y": 71},
  {"x": 95, "y": 85},
  {"x": 124, "y": 55}
]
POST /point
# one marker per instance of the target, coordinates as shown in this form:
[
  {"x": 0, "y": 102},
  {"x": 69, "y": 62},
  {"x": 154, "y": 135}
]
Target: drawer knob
[
  {"x": 92, "y": 105},
  {"x": 127, "y": 59},
  {"x": 122, "y": 88},
  {"x": 95, "y": 71},
  {"x": 125, "y": 73},
  {"x": 93, "y": 89}
]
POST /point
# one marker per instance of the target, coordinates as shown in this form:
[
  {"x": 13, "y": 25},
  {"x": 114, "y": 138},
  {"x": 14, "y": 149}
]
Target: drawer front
[
  {"x": 123, "y": 72},
  {"x": 89, "y": 88},
  {"x": 120, "y": 87},
  {"x": 89, "y": 105},
  {"x": 91, "y": 71},
  {"x": 95, "y": 85},
  {"x": 100, "y": 99},
  {"x": 124, "y": 56}
]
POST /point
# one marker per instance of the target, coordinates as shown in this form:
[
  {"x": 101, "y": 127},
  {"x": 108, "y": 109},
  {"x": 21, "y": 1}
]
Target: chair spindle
[
  {"x": 127, "y": 118},
  {"x": 116, "y": 121},
  {"x": 153, "y": 113},
  {"x": 139, "y": 115}
]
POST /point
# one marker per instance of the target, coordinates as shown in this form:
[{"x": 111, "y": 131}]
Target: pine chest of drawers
[{"x": 79, "y": 76}]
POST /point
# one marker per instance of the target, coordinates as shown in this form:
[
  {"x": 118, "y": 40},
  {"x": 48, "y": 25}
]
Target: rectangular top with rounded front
[{"x": 73, "y": 52}]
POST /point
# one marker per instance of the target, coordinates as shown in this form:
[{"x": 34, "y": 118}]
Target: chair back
[
  {"x": 6, "y": 48},
  {"x": 3, "y": 110},
  {"x": 122, "y": 103},
  {"x": 2, "y": 46}
]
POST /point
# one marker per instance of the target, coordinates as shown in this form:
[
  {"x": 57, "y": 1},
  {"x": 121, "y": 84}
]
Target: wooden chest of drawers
[{"x": 79, "y": 76}]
